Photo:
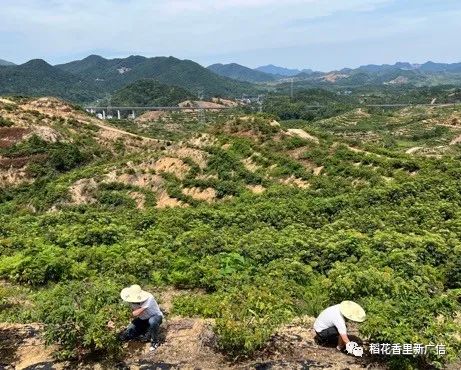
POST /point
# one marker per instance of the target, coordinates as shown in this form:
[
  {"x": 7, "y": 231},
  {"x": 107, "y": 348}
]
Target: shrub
[
  {"x": 49, "y": 264},
  {"x": 64, "y": 157},
  {"x": 249, "y": 317},
  {"x": 5, "y": 122},
  {"x": 76, "y": 316},
  {"x": 115, "y": 199}
]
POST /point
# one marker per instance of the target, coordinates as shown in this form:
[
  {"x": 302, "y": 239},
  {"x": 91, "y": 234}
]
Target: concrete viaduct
[{"x": 110, "y": 112}]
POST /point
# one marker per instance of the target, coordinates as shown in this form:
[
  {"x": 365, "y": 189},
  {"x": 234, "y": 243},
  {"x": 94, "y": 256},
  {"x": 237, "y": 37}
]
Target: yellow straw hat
[
  {"x": 352, "y": 311},
  {"x": 134, "y": 294}
]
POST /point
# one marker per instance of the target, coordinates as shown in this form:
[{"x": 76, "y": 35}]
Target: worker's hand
[{"x": 110, "y": 325}]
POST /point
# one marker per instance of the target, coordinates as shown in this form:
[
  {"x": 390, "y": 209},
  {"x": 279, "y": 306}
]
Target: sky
[{"x": 318, "y": 34}]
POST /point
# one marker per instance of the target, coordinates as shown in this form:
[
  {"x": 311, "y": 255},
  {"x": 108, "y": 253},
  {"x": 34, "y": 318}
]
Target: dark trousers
[
  {"x": 139, "y": 327},
  {"x": 328, "y": 337}
]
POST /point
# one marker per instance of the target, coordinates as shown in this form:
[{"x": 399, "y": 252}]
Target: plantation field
[{"x": 253, "y": 222}]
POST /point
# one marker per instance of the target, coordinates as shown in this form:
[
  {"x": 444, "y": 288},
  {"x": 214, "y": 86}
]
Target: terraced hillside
[
  {"x": 419, "y": 129},
  {"x": 245, "y": 227}
]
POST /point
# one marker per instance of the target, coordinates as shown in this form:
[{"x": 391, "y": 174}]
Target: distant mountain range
[
  {"x": 6, "y": 63},
  {"x": 405, "y": 66},
  {"x": 281, "y": 71},
  {"x": 400, "y": 73},
  {"x": 95, "y": 78},
  {"x": 263, "y": 74}
]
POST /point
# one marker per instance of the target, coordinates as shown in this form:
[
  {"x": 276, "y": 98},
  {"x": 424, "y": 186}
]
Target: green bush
[
  {"x": 249, "y": 316},
  {"x": 76, "y": 316}
]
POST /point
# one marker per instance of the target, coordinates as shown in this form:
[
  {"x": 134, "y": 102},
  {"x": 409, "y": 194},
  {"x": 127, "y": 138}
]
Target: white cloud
[{"x": 52, "y": 29}]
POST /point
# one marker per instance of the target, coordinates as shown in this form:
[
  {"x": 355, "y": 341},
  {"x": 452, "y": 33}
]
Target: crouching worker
[
  {"x": 330, "y": 326},
  {"x": 146, "y": 311}
]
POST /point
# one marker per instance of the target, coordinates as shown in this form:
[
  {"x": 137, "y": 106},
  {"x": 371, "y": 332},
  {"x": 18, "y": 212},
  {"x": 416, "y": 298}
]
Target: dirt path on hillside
[
  {"x": 126, "y": 133},
  {"x": 456, "y": 140},
  {"x": 187, "y": 343}
]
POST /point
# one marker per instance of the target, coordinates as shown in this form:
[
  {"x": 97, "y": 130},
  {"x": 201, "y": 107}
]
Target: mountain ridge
[
  {"x": 6, "y": 63},
  {"x": 113, "y": 74},
  {"x": 241, "y": 73},
  {"x": 280, "y": 71},
  {"x": 39, "y": 78}
]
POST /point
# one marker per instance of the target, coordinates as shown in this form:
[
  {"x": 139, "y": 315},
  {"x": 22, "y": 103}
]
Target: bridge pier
[
  {"x": 118, "y": 114},
  {"x": 103, "y": 114}
]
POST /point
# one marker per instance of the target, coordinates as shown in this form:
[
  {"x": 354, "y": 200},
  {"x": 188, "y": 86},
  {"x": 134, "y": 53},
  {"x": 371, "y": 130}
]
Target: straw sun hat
[
  {"x": 134, "y": 294},
  {"x": 352, "y": 311}
]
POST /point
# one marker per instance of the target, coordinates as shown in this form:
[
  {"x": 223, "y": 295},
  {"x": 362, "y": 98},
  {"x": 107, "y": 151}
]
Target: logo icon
[{"x": 353, "y": 348}]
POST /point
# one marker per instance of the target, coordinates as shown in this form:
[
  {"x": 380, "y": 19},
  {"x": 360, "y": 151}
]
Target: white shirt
[
  {"x": 330, "y": 317},
  {"x": 151, "y": 308}
]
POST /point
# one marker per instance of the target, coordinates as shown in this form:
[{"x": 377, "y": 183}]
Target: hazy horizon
[
  {"x": 298, "y": 34},
  {"x": 249, "y": 66}
]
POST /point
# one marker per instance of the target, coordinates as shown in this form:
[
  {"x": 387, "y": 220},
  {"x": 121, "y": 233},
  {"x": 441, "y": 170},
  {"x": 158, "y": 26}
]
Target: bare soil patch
[
  {"x": 165, "y": 201},
  {"x": 456, "y": 140},
  {"x": 302, "y": 134},
  {"x": 139, "y": 198},
  {"x": 333, "y": 77},
  {"x": 198, "y": 156},
  {"x": 45, "y": 133},
  {"x": 208, "y": 194},
  {"x": 81, "y": 192},
  {"x": 143, "y": 180},
  {"x": 256, "y": 189},
  {"x": 150, "y": 116},
  {"x": 202, "y": 141},
  {"x": 172, "y": 165},
  {"x": 10, "y": 136},
  {"x": 22, "y": 346},
  {"x": 200, "y": 104},
  {"x": 295, "y": 181},
  {"x": 250, "y": 165},
  {"x": 413, "y": 150}
]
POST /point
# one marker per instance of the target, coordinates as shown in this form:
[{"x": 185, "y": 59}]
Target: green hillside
[
  {"x": 38, "y": 78},
  {"x": 241, "y": 73},
  {"x": 115, "y": 73},
  {"x": 248, "y": 222},
  {"x": 150, "y": 93}
]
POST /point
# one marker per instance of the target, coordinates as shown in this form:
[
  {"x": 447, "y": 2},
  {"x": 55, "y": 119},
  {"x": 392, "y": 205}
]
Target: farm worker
[
  {"x": 146, "y": 312},
  {"x": 330, "y": 325}
]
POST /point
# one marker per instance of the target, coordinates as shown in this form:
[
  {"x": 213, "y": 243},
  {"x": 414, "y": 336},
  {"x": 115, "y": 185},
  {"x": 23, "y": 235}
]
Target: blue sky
[{"x": 317, "y": 34}]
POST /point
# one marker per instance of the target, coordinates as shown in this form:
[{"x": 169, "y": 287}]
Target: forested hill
[
  {"x": 241, "y": 73},
  {"x": 38, "y": 78},
  {"x": 95, "y": 78},
  {"x": 150, "y": 93},
  {"x": 111, "y": 74}
]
